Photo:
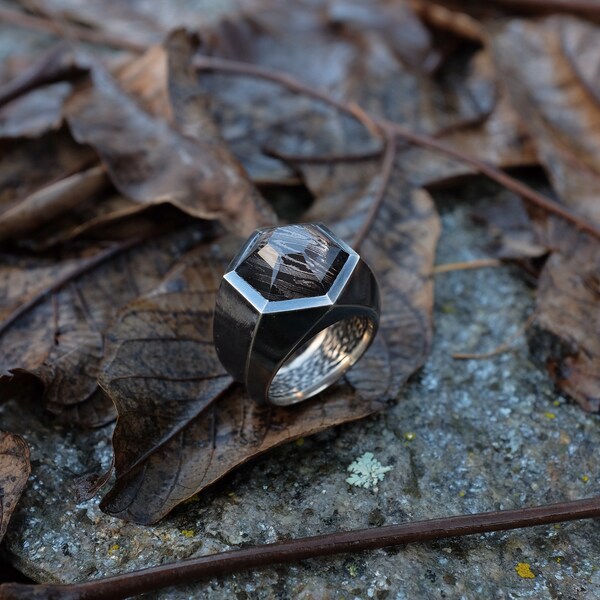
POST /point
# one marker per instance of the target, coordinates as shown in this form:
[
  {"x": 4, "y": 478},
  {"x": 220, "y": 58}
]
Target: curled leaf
[
  {"x": 547, "y": 67},
  {"x": 153, "y": 160},
  {"x": 14, "y": 472},
  {"x": 564, "y": 336}
]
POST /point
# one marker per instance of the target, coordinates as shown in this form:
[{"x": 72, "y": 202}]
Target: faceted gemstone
[{"x": 295, "y": 261}]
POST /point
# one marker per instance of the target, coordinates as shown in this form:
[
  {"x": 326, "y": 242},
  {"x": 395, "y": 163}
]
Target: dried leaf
[
  {"x": 182, "y": 423},
  {"x": 28, "y": 165},
  {"x": 546, "y": 66},
  {"x": 51, "y": 201},
  {"x": 400, "y": 247},
  {"x": 59, "y": 341},
  {"x": 358, "y": 65},
  {"x": 35, "y": 113},
  {"x": 14, "y": 472},
  {"x": 395, "y": 23},
  {"x": 153, "y": 161},
  {"x": 60, "y": 64},
  {"x": 564, "y": 337},
  {"x": 555, "y": 102}
]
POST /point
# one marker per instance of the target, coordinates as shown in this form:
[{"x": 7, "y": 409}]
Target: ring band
[{"x": 297, "y": 307}]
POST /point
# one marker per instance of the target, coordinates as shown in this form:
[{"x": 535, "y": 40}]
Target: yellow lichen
[
  {"x": 549, "y": 415},
  {"x": 188, "y": 533},
  {"x": 585, "y": 478},
  {"x": 409, "y": 436},
  {"x": 524, "y": 570},
  {"x": 114, "y": 549},
  {"x": 462, "y": 493},
  {"x": 556, "y": 403},
  {"x": 300, "y": 442}
]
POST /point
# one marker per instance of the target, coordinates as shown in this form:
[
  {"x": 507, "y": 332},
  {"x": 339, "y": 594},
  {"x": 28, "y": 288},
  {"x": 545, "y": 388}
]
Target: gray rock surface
[{"x": 464, "y": 436}]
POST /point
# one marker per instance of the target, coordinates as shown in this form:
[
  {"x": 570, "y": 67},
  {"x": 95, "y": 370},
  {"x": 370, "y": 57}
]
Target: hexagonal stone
[{"x": 295, "y": 261}]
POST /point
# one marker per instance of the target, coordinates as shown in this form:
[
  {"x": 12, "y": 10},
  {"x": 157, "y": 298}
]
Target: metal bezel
[{"x": 264, "y": 306}]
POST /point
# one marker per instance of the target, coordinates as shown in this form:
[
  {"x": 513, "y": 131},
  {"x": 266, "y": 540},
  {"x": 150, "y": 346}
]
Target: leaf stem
[
  {"x": 479, "y": 263},
  {"x": 205, "y": 63},
  {"x": 224, "y": 563},
  {"x": 324, "y": 159},
  {"x": 389, "y": 158}
]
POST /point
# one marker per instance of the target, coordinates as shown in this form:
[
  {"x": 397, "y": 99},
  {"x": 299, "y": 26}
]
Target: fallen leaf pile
[{"x": 129, "y": 178}]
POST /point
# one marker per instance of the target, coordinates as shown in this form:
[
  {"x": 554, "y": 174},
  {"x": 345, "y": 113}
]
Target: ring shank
[{"x": 321, "y": 361}]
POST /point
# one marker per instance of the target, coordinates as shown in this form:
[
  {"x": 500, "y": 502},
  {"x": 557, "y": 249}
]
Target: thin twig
[
  {"x": 224, "y": 563},
  {"x": 387, "y": 167},
  {"x": 84, "y": 267},
  {"x": 504, "y": 347},
  {"x": 20, "y": 19},
  {"x": 205, "y": 63},
  {"x": 480, "y": 263},
  {"x": 324, "y": 159}
]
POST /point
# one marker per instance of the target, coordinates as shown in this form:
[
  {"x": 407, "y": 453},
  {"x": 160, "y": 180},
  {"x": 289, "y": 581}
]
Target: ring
[{"x": 297, "y": 307}]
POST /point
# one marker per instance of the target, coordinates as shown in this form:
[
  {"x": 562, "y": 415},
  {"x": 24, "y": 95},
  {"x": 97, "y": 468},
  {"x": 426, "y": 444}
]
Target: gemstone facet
[{"x": 296, "y": 261}]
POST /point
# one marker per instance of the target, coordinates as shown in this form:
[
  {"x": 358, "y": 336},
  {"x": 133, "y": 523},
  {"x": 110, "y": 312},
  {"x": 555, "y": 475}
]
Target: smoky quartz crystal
[{"x": 296, "y": 261}]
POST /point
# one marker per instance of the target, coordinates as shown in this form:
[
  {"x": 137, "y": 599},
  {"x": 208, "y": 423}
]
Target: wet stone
[{"x": 296, "y": 261}]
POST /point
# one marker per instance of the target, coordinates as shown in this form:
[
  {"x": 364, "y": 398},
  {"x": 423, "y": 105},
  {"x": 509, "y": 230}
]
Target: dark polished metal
[{"x": 297, "y": 307}]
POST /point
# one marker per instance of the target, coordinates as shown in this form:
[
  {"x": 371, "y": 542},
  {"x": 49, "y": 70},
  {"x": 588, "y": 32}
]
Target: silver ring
[{"x": 297, "y": 307}]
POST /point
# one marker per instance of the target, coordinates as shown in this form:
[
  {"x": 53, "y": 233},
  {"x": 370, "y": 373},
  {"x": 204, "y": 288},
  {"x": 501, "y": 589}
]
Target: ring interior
[{"x": 321, "y": 361}]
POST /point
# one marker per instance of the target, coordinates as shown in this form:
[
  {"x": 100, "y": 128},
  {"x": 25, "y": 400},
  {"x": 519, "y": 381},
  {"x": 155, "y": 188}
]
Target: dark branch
[
  {"x": 387, "y": 167},
  {"x": 225, "y": 563}
]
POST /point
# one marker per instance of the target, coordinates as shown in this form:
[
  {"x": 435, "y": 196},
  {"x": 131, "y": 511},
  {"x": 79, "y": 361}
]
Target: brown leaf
[
  {"x": 52, "y": 200},
  {"x": 14, "y": 472},
  {"x": 547, "y": 67},
  {"x": 445, "y": 18},
  {"x": 400, "y": 247},
  {"x": 511, "y": 229},
  {"x": 35, "y": 113},
  {"x": 564, "y": 337},
  {"x": 357, "y": 65},
  {"x": 60, "y": 64},
  {"x": 182, "y": 423},
  {"x": 396, "y": 23},
  {"x": 182, "y": 426},
  {"x": 152, "y": 160},
  {"x": 26, "y": 166},
  {"x": 555, "y": 102},
  {"x": 60, "y": 340}
]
